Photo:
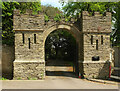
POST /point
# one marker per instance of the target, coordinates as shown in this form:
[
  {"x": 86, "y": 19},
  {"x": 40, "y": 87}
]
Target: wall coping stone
[
  {"x": 29, "y": 29},
  {"x": 86, "y": 13},
  {"x": 26, "y": 61},
  {"x": 98, "y": 32},
  {"x": 95, "y": 62}
]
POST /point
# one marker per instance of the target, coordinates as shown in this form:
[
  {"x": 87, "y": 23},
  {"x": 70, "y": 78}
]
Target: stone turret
[
  {"x": 96, "y": 23},
  {"x": 96, "y": 44}
]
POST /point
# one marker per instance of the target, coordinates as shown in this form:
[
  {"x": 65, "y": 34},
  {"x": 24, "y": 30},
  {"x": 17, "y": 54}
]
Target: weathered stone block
[
  {"x": 29, "y": 70},
  {"x": 96, "y": 69}
]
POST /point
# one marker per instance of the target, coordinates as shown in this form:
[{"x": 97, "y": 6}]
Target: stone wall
[
  {"x": 29, "y": 70},
  {"x": 91, "y": 33},
  {"x": 37, "y": 22},
  {"x": 97, "y": 23},
  {"x": 29, "y": 55},
  {"x": 103, "y": 48},
  {"x": 96, "y": 70},
  {"x": 96, "y": 44},
  {"x": 96, "y": 28},
  {"x": 29, "y": 49},
  {"x": 30, "y": 21},
  {"x": 8, "y": 56},
  {"x": 116, "y": 62},
  {"x": 116, "y": 56}
]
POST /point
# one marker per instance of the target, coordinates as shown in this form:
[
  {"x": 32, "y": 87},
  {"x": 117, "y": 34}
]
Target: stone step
[
  {"x": 115, "y": 77},
  {"x": 116, "y": 68},
  {"x": 116, "y": 73}
]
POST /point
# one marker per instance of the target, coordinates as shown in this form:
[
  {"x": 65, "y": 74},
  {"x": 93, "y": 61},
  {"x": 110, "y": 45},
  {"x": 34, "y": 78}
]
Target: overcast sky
[{"x": 54, "y": 3}]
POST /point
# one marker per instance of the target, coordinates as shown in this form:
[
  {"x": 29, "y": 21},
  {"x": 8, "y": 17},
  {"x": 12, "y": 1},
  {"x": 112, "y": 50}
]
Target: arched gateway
[{"x": 91, "y": 33}]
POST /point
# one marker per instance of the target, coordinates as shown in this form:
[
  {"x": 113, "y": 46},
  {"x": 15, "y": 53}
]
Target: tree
[
  {"x": 60, "y": 44},
  {"x": 116, "y": 18},
  {"x": 74, "y": 9},
  {"x": 50, "y": 11},
  {"x": 7, "y": 17}
]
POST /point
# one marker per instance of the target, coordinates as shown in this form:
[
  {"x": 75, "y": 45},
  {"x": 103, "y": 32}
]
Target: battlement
[
  {"x": 96, "y": 23},
  {"x": 86, "y": 13},
  {"x": 28, "y": 20},
  {"x": 27, "y": 12},
  {"x": 16, "y": 12}
]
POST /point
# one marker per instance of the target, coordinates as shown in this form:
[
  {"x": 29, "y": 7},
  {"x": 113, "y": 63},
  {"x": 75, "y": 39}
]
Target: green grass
[
  {"x": 2, "y": 78},
  {"x": 18, "y": 78}
]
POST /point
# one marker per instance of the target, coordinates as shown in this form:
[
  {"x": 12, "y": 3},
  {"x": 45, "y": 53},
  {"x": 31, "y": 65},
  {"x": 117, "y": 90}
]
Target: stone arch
[
  {"x": 76, "y": 34},
  {"x": 70, "y": 28}
]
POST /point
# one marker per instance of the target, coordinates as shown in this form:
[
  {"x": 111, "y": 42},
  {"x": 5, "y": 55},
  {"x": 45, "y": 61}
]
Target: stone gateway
[{"x": 92, "y": 34}]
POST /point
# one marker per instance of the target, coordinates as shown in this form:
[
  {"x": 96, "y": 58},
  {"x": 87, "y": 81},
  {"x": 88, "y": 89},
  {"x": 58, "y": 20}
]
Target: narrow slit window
[
  {"x": 23, "y": 37},
  {"x": 29, "y": 43},
  {"x": 101, "y": 39},
  {"x": 91, "y": 39},
  {"x": 35, "y": 38},
  {"x": 96, "y": 44}
]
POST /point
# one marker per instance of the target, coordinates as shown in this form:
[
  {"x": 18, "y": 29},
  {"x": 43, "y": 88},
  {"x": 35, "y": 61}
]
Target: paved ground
[
  {"x": 58, "y": 77},
  {"x": 56, "y": 82}
]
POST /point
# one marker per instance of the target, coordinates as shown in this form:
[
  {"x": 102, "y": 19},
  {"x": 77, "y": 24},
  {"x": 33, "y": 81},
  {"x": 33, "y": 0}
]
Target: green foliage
[
  {"x": 67, "y": 18},
  {"x": 42, "y": 75},
  {"x": 46, "y": 18},
  {"x": 29, "y": 78},
  {"x": 74, "y": 10},
  {"x": 50, "y": 11},
  {"x": 2, "y": 78},
  {"x": 35, "y": 6},
  {"x": 60, "y": 44},
  {"x": 115, "y": 37},
  {"x": 18, "y": 78},
  {"x": 34, "y": 78},
  {"x": 7, "y": 17},
  {"x": 7, "y": 21},
  {"x": 57, "y": 17}
]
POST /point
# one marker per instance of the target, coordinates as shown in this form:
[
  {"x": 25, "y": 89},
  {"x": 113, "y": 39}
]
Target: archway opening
[{"x": 61, "y": 54}]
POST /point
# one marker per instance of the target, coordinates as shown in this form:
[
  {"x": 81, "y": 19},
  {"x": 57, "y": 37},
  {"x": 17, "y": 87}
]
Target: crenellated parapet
[
  {"x": 28, "y": 20},
  {"x": 27, "y": 12},
  {"x": 31, "y": 21},
  {"x": 97, "y": 22}
]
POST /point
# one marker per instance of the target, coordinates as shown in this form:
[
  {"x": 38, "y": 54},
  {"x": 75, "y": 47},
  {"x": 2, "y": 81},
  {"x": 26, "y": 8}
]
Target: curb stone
[{"x": 102, "y": 81}]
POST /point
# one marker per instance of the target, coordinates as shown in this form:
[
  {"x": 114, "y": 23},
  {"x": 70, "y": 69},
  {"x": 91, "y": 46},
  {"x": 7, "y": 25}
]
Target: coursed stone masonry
[{"x": 91, "y": 33}]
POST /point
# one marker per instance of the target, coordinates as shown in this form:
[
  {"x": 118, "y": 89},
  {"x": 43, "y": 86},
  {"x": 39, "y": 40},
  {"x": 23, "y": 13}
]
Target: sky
[{"x": 54, "y": 3}]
